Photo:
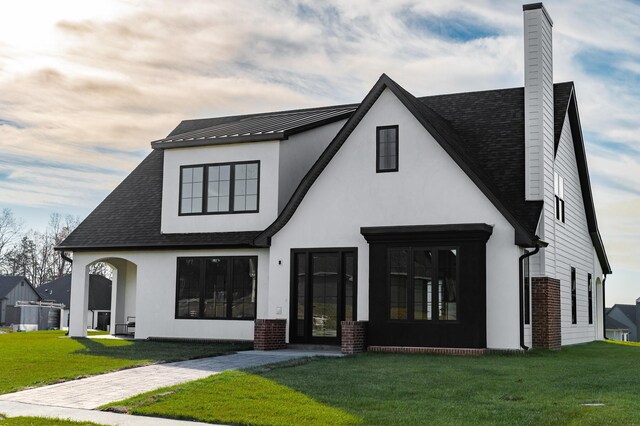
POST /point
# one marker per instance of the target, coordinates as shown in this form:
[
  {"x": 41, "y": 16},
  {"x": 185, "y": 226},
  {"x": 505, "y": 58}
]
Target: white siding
[
  {"x": 573, "y": 246},
  {"x": 538, "y": 51},
  {"x": 297, "y": 155},
  {"x": 268, "y": 155},
  {"x": 429, "y": 188}
]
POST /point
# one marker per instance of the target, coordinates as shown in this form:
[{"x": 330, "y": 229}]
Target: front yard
[
  {"x": 597, "y": 383},
  {"x": 44, "y": 357}
]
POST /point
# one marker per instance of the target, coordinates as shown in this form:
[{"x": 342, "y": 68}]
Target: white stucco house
[{"x": 458, "y": 222}]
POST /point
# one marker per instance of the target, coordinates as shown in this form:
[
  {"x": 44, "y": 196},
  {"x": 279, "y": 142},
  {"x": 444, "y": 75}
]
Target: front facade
[{"x": 453, "y": 221}]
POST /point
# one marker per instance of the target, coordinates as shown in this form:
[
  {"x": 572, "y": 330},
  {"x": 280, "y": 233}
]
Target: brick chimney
[{"x": 538, "y": 98}]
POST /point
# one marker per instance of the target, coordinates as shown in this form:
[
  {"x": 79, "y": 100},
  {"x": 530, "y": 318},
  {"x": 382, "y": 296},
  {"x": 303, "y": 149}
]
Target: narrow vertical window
[
  {"x": 422, "y": 285},
  {"x": 527, "y": 292},
  {"x": 398, "y": 274},
  {"x": 387, "y": 149},
  {"x": 590, "y": 295},
  {"x": 574, "y": 311},
  {"x": 558, "y": 189},
  {"x": 246, "y": 187},
  {"x": 191, "y": 189},
  {"x": 447, "y": 285},
  {"x": 218, "y": 178}
]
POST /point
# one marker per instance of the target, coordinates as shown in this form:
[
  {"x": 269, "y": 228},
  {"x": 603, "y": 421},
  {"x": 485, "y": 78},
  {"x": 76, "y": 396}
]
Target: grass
[
  {"x": 40, "y": 421},
  {"x": 538, "y": 388},
  {"x": 44, "y": 357}
]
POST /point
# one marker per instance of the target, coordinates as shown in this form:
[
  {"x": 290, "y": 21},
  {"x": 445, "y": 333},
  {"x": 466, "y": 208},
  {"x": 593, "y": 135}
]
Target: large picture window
[
  {"x": 423, "y": 284},
  {"x": 219, "y": 188},
  {"x": 216, "y": 287}
]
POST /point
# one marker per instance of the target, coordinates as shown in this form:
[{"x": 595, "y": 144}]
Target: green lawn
[
  {"x": 538, "y": 388},
  {"x": 39, "y": 421},
  {"x": 44, "y": 357}
]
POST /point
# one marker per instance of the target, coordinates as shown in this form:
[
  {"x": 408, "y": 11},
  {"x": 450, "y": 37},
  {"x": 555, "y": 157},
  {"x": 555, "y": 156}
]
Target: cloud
[{"x": 93, "y": 84}]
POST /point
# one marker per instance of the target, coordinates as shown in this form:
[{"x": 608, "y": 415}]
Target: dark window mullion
[
  {"x": 205, "y": 189},
  {"x": 232, "y": 186},
  {"x": 435, "y": 286}
]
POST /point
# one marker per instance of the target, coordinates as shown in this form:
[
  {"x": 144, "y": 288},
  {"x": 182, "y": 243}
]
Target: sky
[{"x": 85, "y": 86}]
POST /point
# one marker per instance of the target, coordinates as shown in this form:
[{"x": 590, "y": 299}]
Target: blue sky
[{"x": 85, "y": 86}]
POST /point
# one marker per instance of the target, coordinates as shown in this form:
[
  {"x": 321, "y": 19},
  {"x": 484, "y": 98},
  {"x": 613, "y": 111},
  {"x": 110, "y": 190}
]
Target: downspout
[
  {"x": 538, "y": 243},
  {"x": 66, "y": 258},
  {"x": 604, "y": 311},
  {"x": 521, "y": 280}
]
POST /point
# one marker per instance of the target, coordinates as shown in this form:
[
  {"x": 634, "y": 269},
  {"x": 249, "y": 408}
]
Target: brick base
[
  {"x": 545, "y": 300},
  {"x": 423, "y": 350},
  {"x": 270, "y": 334},
  {"x": 354, "y": 337}
]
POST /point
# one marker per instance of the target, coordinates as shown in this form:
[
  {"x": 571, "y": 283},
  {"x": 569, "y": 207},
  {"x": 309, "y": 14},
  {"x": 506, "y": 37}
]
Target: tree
[{"x": 10, "y": 229}]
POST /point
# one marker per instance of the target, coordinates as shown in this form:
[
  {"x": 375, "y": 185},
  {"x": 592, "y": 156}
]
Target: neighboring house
[
  {"x": 99, "y": 304},
  {"x": 15, "y": 289},
  {"x": 623, "y": 322},
  {"x": 451, "y": 221}
]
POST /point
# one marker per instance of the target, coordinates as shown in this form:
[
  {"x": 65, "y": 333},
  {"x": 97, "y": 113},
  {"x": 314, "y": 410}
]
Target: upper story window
[
  {"x": 219, "y": 188},
  {"x": 558, "y": 190},
  {"x": 387, "y": 149}
]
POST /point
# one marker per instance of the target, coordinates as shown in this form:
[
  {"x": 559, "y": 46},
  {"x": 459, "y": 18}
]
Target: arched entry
[{"x": 123, "y": 295}]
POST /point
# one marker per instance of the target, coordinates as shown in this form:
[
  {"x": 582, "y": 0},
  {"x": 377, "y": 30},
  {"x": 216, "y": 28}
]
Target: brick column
[
  {"x": 354, "y": 337},
  {"x": 270, "y": 334},
  {"x": 546, "y": 324}
]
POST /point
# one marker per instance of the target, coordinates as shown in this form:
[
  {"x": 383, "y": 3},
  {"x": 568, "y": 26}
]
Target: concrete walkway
[{"x": 92, "y": 392}]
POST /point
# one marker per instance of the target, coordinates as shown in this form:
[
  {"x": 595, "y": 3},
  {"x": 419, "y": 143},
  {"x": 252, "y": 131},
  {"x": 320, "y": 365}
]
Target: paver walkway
[{"x": 95, "y": 391}]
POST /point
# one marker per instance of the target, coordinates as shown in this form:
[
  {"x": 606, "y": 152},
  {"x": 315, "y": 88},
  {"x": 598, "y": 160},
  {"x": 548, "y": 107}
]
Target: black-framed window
[
  {"x": 220, "y": 188},
  {"x": 423, "y": 283},
  {"x": 386, "y": 149},
  {"x": 217, "y": 287},
  {"x": 574, "y": 309},
  {"x": 558, "y": 190},
  {"x": 590, "y": 296},
  {"x": 527, "y": 292}
]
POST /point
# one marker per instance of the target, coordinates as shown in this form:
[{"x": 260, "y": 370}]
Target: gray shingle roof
[{"x": 612, "y": 324}]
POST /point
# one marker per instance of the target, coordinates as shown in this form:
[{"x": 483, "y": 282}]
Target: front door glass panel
[{"x": 325, "y": 295}]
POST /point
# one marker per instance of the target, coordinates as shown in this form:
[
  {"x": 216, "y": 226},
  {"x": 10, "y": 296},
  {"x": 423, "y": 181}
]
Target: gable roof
[
  {"x": 482, "y": 131},
  {"x": 252, "y": 128},
  {"x": 129, "y": 218},
  {"x": 59, "y": 290},
  {"x": 628, "y": 311},
  {"x": 462, "y": 151},
  {"x": 8, "y": 283},
  {"x": 613, "y": 324}
]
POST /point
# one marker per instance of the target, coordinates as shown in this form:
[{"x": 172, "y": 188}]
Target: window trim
[
  {"x": 205, "y": 183},
  {"x": 378, "y": 128},
  {"x": 229, "y": 295},
  {"x": 411, "y": 284}
]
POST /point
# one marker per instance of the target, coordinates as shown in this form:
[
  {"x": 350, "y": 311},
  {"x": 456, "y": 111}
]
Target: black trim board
[{"x": 433, "y": 123}]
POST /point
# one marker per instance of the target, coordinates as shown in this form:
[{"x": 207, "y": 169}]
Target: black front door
[{"x": 323, "y": 288}]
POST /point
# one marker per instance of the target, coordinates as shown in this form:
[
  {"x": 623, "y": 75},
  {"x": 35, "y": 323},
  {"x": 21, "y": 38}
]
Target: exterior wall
[
  {"x": 155, "y": 293},
  {"x": 297, "y": 155},
  {"x": 573, "y": 247},
  {"x": 23, "y": 292},
  {"x": 538, "y": 83},
  {"x": 619, "y": 316},
  {"x": 268, "y": 155},
  {"x": 349, "y": 194}
]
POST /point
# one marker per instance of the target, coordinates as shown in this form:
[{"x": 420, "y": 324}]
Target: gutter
[
  {"x": 604, "y": 311},
  {"x": 538, "y": 243},
  {"x": 66, "y": 258}
]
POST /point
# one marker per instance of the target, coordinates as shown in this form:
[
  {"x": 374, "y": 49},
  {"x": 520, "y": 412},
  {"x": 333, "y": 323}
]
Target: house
[
  {"x": 623, "y": 322},
  {"x": 98, "y": 310},
  {"x": 460, "y": 222},
  {"x": 14, "y": 289}
]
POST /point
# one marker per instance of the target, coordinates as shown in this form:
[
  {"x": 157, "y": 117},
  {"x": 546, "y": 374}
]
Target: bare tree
[{"x": 10, "y": 229}]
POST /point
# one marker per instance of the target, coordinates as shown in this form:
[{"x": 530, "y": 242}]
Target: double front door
[{"x": 323, "y": 293}]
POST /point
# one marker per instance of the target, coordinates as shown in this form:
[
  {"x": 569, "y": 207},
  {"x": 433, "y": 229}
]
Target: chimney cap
[{"x": 534, "y": 6}]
